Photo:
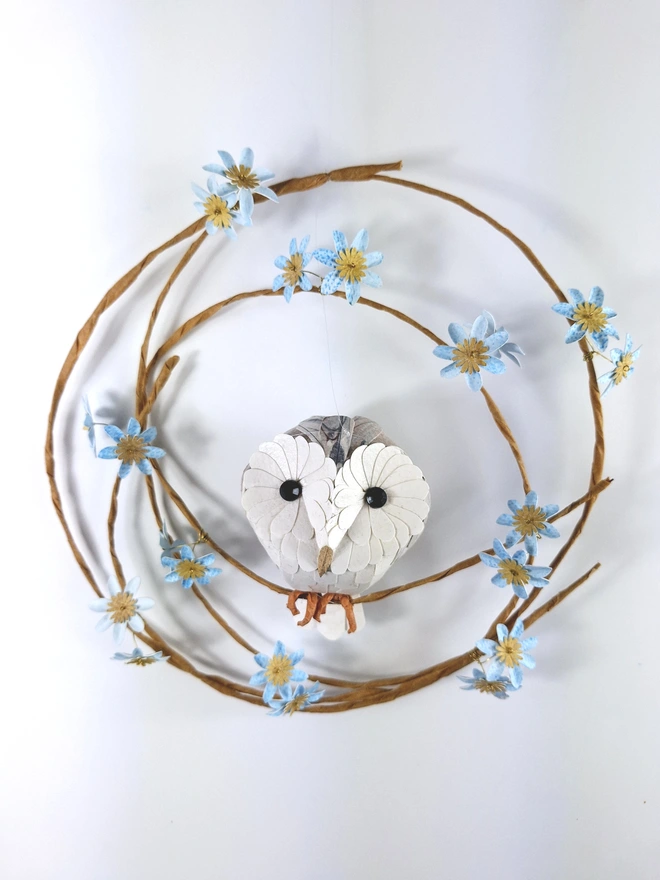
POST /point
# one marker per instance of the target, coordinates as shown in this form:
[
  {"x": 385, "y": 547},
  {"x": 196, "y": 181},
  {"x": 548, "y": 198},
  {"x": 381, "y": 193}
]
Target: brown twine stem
[
  {"x": 357, "y": 694},
  {"x": 159, "y": 384}
]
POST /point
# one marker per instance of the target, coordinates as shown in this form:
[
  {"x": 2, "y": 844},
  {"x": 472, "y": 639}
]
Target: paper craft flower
[
  {"x": 513, "y": 571},
  {"x": 488, "y": 682},
  {"x": 509, "y": 652},
  {"x": 472, "y": 351},
  {"x": 189, "y": 569},
  {"x": 530, "y": 522},
  {"x": 132, "y": 448},
  {"x": 137, "y": 658},
  {"x": 294, "y": 701},
  {"x": 88, "y": 424},
  {"x": 379, "y": 493},
  {"x": 591, "y": 317},
  {"x": 277, "y": 671},
  {"x": 121, "y": 609},
  {"x": 167, "y": 545},
  {"x": 293, "y": 267},
  {"x": 351, "y": 266},
  {"x": 217, "y": 205},
  {"x": 242, "y": 180},
  {"x": 510, "y": 349},
  {"x": 623, "y": 365}
]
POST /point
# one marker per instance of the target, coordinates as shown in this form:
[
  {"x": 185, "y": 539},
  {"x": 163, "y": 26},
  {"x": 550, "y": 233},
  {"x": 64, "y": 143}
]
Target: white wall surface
[{"x": 546, "y": 115}]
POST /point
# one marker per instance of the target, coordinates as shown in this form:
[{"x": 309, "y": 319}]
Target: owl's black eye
[
  {"x": 291, "y": 490},
  {"x": 375, "y": 497}
]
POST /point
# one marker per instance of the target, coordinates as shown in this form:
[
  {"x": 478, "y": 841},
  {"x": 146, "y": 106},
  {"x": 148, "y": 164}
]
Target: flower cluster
[
  {"x": 184, "y": 566},
  {"x": 276, "y": 675},
  {"x": 234, "y": 184},
  {"x": 349, "y": 266},
  {"x": 132, "y": 447},
  {"x": 507, "y": 656},
  {"x": 591, "y": 322}
]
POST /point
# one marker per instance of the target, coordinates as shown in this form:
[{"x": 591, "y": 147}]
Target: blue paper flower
[
  {"x": 277, "y": 671},
  {"x": 591, "y": 317},
  {"x": 292, "y": 267},
  {"x": 188, "y": 569},
  {"x": 513, "y": 571},
  {"x": 294, "y": 701},
  {"x": 488, "y": 682},
  {"x": 471, "y": 351},
  {"x": 137, "y": 658},
  {"x": 167, "y": 545},
  {"x": 89, "y": 423},
  {"x": 217, "y": 205},
  {"x": 623, "y": 365},
  {"x": 132, "y": 448},
  {"x": 509, "y": 652},
  {"x": 243, "y": 180},
  {"x": 351, "y": 266},
  {"x": 530, "y": 522},
  {"x": 121, "y": 609},
  {"x": 510, "y": 349}
]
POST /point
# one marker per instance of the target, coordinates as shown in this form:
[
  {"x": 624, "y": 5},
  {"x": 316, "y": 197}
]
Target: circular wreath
[{"x": 232, "y": 192}]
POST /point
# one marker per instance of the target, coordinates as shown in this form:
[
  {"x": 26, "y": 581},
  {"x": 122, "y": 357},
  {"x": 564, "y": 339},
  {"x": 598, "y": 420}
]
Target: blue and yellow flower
[
  {"x": 623, "y": 365},
  {"x": 132, "y": 447},
  {"x": 167, "y": 545},
  {"x": 138, "y": 658},
  {"x": 529, "y": 521},
  {"x": 217, "y": 205},
  {"x": 488, "y": 682},
  {"x": 472, "y": 351},
  {"x": 510, "y": 349},
  {"x": 591, "y": 317},
  {"x": 277, "y": 671},
  {"x": 122, "y": 609},
  {"x": 89, "y": 424},
  {"x": 513, "y": 571},
  {"x": 293, "y": 269},
  {"x": 509, "y": 653},
  {"x": 242, "y": 180},
  {"x": 293, "y": 701},
  {"x": 351, "y": 266},
  {"x": 188, "y": 569}
]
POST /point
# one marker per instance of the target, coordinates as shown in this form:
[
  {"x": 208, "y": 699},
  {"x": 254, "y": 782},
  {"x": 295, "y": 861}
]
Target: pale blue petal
[
  {"x": 281, "y": 262},
  {"x": 172, "y": 577},
  {"x": 520, "y": 557},
  {"x": 206, "y": 560},
  {"x": 118, "y": 632},
  {"x": 372, "y": 279},
  {"x": 496, "y": 668},
  {"x": 133, "y": 428},
  {"x": 108, "y": 452},
  {"x": 493, "y": 365},
  {"x": 262, "y": 660},
  {"x": 446, "y": 352},
  {"x": 531, "y": 499},
  {"x": 213, "y": 572},
  {"x": 246, "y": 158},
  {"x": 99, "y": 605},
  {"x": 296, "y": 657},
  {"x": 531, "y": 545},
  {"x": 575, "y": 333},
  {"x": 230, "y": 232},
  {"x": 227, "y": 159},
  {"x": 450, "y": 371},
  {"x": 246, "y": 202},
  {"x": 517, "y": 629},
  {"x": 267, "y": 193},
  {"x": 505, "y": 519},
  {"x": 457, "y": 333},
  {"x": 199, "y": 192},
  {"x": 259, "y": 678},
  {"x": 489, "y": 560},
  {"x": 186, "y": 553},
  {"x": 538, "y": 582},
  {"x": 124, "y": 470},
  {"x": 565, "y": 309},
  {"x": 499, "y": 548},
  {"x": 519, "y": 591},
  {"x": 269, "y": 691},
  {"x": 279, "y": 283},
  {"x": 104, "y": 623},
  {"x": 496, "y": 340},
  {"x": 154, "y": 452},
  {"x": 487, "y": 646},
  {"x": 512, "y": 538},
  {"x": 210, "y": 228},
  {"x": 502, "y": 632},
  {"x": 576, "y": 296},
  {"x": 596, "y": 296},
  {"x": 306, "y": 283},
  {"x": 513, "y": 505},
  {"x": 516, "y": 677},
  {"x": 609, "y": 313},
  {"x": 374, "y": 258},
  {"x": 214, "y": 168},
  {"x": 352, "y": 292},
  {"x": 474, "y": 381},
  {"x": 145, "y": 468},
  {"x": 539, "y": 571},
  {"x": 298, "y": 675},
  {"x": 288, "y": 293},
  {"x": 331, "y": 282},
  {"x": 550, "y": 509},
  {"x": 340, "y": 240},
  {"x": 528, "y": 661},
  {"x": 114, "y": 432},
  {"x": 549, "y": 531},
  {"x": 530, "y": 642},
  {"x": 325, "y": 256},
  {"x": 361, "y": 240},
  {"x": 263, "y": 174},
  {"x": 498, "y": 580},
  {"x": 479, "y": 328},
  {"x": 148, "y": 435}
]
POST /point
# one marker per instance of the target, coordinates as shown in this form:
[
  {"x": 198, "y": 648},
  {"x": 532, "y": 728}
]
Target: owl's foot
[{"x": 317, "y": 604}]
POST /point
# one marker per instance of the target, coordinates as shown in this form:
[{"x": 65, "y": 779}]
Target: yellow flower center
[
  {"x": 279, "y": 669},
  {"x": 122, "y": 607},
  {"x": 622, "y": 368},
  {"x": 489, "y": 687},
  {"x": 528, "y": 520},
  {"x": 513, "y": 572},
  {"x": 509, "y": 652},
  {"x": 242, "y": 177},
  {"x": 351, "y": 265},
  {"x": 590, "y": 317},
  {"x": 130, "y": 449},
  {"x": 292, "y": 272},
  {"x": 141, "y": 661},
  {"x": 295, "y": 703},
  {"x": 217, "y": 210},
  {"x": 188, "y": 568},
  {"x": 470, "y": 355}
]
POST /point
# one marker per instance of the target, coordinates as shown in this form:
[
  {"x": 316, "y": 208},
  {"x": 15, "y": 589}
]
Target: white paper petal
[
  {"x": 360, "y": 529},
  {"x": 369, "y": 457},
  {"x": 283, "y": 522},
  {"x": 405, "y": 473},
  {"x": 383, "y": 458},
  {"x": 396, "y": 461},
  {"x": 264, "y": 461},
  {"x": 251, "y": 498},
  {"x": 359, "y": 556},
  {"x": 414, "y": 523},
  {"x": 381, "y": 525},
  {"x": 341, "y": 557},
  {"x": 274, "y": 450},
  {"x": 256, "y": 477}
]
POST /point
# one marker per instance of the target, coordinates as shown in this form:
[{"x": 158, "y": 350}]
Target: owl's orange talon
[{"x": 317, "y": 604}]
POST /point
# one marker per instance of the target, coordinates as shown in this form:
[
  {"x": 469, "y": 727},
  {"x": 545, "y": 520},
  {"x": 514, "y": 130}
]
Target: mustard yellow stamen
[
  {"x": 489, "y": 687},
  {"x": 513, "y": 573},
  {"x": 590, "y": 317},
  {"x": 279, "y": 669},
  {"x": 130, "y": 449},
  {"x": 622, "y": 369},
  {"x": 509, "y": 652},
  {"x": 122, "y": 607},
  {"x": 295, "y": 703},
  {"x": 188, "y": 569},
  {"x": 470, "y": 355},
  {"x": 351, "y": 265},
  {"x": 529, "y": 520},
  {"x": 242, "y": 177},
  {"x": 293, "y": 270},
  {"x": 217, "y": 211}
]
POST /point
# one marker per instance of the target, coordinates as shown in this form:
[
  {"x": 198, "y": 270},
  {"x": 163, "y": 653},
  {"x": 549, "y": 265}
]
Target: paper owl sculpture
[{"x": 335, "y": 503}]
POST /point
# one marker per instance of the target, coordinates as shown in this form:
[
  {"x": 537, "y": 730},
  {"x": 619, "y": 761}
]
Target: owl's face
[{"x": 334, "y": 516}]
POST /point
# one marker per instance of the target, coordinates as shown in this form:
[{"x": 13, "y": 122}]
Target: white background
[{"x": 546, "y": 115}]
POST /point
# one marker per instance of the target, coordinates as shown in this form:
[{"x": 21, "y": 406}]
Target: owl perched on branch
[{"x": 334, "y": 503}]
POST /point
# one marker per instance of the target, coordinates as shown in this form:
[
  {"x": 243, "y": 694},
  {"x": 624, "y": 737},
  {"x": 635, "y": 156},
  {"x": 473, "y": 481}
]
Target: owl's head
[{"x": 334, "y": 503}]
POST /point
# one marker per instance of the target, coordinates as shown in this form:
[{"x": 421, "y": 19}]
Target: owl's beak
[{"x": 325, "y": 560}]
